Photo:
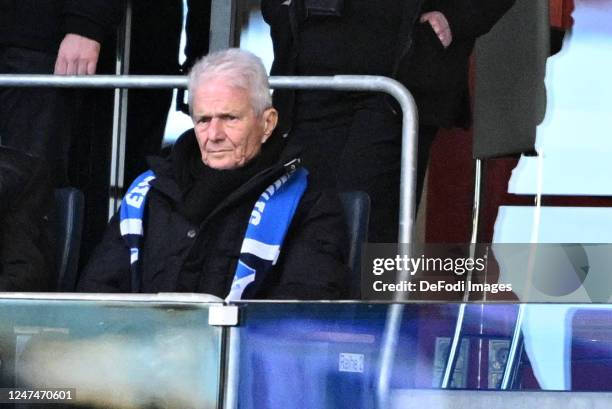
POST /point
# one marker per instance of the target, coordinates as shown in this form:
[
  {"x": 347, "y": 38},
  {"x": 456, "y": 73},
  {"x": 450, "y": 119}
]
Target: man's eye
[{"x": 204, "y": 120}]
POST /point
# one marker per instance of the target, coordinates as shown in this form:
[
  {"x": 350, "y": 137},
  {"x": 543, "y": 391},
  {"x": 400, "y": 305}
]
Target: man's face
[{"x": 228, "y": 130}]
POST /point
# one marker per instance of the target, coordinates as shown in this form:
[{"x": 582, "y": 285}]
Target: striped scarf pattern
[{"x": 261, "y": 246}]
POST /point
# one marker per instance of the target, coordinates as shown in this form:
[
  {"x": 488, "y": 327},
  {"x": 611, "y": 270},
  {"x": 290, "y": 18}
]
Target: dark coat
[
  {"x": 437, "y": 77},
  {"x": 311, "y": 266},
  {"x": 42, "y": 24},
  {"x": 26, "y": 203}
]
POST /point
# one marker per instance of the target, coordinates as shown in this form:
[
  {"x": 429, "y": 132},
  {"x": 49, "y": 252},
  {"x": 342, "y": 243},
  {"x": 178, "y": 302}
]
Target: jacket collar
[{"x": 166, "y": 182}]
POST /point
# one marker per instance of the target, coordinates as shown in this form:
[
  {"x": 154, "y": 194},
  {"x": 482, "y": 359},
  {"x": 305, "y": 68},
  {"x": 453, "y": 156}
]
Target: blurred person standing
[
  {"x": 352, "y": 141},
  {"x": 59, "y": 37}
]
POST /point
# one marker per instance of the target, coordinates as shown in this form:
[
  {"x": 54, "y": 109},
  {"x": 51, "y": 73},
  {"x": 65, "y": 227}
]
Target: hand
[
  {"x": 77, "y": 55},
  {"x": 440, "y": 26}
]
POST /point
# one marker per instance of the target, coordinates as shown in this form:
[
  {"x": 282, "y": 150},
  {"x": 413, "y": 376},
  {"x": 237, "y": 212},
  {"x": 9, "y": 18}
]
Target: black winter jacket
[
  {"x": 26, "y": 203},
  {"x": 311, "y": 265},
  {"x": 42, "y": 24},
  {"x": 438, "y": 77}
]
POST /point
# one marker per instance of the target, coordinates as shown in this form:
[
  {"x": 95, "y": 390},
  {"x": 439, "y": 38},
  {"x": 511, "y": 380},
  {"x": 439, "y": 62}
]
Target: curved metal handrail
[{"x": 340, "y": 83}]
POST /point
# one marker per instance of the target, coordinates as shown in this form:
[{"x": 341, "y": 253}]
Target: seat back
[
  {"x": 356, "y": 206},
  {"x": 69, "y": 208}
]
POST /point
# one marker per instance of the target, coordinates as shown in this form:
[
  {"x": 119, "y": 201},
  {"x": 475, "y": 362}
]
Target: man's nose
[{"x": 215, "y": 129}]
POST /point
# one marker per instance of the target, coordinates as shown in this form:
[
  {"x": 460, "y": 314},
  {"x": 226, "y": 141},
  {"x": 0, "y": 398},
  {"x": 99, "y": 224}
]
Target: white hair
[{"x": 242, "y": 69}]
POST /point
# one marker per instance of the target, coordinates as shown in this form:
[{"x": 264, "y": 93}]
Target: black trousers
[
  {"x": 35, "y": 120},
  {"x": 361, "y": 154},
  {"x": 364, "y": 154},
  {"x": 427, "y": 133}
]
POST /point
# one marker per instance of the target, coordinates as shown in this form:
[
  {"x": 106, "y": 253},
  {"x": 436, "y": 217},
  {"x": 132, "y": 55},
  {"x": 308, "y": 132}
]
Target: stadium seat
[
  {"x": 356, "y": 206},
  {"x": 69, "y": 208}
]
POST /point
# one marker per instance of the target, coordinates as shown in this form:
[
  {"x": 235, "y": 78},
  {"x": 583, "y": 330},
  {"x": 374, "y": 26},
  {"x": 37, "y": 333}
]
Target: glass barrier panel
[
  {"x": 117, "y": 354},
  {"x": 327, "y": 355}
]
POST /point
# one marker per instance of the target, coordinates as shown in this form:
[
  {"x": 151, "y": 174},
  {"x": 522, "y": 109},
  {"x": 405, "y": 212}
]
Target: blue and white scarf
[
  {"x": 261, "y": 246},
  {"x": 268, "y": 225},
  {"x": 131, "y": 215}
]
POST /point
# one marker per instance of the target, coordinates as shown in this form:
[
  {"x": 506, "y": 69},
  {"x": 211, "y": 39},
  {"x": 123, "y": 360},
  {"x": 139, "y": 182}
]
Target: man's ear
[{"x": 270, "y": 119}]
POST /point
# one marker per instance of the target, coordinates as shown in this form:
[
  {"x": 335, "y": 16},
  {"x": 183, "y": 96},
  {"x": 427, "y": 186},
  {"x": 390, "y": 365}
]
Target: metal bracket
[{"x": 223, "y": 315}]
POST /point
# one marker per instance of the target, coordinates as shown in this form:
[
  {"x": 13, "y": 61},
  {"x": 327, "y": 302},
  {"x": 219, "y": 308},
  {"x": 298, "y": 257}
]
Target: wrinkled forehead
[
  {"x": 222, "y": 83},
  {"x": 220, "y": 96}
]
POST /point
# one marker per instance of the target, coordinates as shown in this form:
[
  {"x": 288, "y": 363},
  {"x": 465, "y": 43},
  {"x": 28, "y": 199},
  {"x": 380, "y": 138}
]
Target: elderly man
[{"x": 223, "y": 214}]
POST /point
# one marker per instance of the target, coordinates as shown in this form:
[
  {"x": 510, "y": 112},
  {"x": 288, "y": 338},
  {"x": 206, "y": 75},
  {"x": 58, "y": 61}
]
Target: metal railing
[{"x": 339, "y": 83}]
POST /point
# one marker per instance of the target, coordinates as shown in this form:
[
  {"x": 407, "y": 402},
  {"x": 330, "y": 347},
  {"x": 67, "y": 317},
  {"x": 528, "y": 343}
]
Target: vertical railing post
[
  {"x": 231, "y": 387},
  {"x": 455, "y": 347},
  {"x": 120, "y": 112},
  {"x": 223, "y": 24}
]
